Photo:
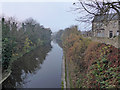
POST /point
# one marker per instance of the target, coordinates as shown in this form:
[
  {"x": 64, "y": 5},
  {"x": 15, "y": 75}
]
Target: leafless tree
[{"x": 97, "y": 7}]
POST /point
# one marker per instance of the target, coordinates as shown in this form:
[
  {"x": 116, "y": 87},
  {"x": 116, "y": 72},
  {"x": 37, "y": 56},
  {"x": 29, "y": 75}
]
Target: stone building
[{"x": 105, "y": 26}]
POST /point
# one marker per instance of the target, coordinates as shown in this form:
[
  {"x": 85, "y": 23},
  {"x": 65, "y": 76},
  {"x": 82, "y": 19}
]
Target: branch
[{"x": 86, "y": 9}]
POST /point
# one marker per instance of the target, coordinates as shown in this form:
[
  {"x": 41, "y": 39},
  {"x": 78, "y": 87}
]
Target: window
[
  {"x": 110, "y": 34},
  {"x": 117, "y": 33},
  {"x": 100, "y": 34}
]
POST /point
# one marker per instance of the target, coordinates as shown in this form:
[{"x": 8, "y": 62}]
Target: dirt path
[
  {"x": 67, "y": 68},
  {"x": 63, "y": 72}
]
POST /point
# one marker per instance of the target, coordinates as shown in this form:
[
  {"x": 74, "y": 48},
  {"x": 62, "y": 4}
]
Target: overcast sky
[{"x": 54, "y": 15}]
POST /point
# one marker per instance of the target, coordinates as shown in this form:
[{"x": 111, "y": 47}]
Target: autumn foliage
[
  {"x": 103, "y": 66},
  {"x": 91, "y": 64}
]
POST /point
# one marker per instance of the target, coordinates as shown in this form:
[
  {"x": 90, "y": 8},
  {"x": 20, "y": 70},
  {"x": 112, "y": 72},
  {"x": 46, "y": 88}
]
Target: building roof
[{"x": 108, "y": 17}]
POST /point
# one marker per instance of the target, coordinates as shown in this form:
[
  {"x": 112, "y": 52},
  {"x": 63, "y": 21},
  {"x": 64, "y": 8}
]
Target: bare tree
[{"x": 97, "y": 7}]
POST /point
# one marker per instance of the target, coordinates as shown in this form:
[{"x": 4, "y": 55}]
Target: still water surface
[{"x": 40, "y": 68}]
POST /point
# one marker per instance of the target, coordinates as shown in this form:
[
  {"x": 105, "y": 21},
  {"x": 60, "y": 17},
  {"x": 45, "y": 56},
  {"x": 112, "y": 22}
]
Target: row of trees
[{"x": 19, "y": 38}]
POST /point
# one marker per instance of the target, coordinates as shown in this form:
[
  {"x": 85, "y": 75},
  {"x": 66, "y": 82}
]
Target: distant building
[{"x": 105, "y": 26}]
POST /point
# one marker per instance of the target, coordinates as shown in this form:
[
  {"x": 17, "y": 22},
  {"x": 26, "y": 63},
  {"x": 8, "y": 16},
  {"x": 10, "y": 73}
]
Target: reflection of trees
[
  {"x": 57, "y": 37},
  {"x": 28, "y": 64},
  {"x": 59, "y": 42}
]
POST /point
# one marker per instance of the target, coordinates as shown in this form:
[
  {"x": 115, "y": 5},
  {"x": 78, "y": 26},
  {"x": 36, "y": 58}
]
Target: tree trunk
[
  {"x": 119, "y": 22},
  {"x": 119, "y": 30}
]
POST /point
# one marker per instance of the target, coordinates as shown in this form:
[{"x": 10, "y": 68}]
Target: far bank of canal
[{"x": 41, "y": 68}]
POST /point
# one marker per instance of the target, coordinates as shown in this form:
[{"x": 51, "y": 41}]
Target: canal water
[{"x": 40, "y": 68}]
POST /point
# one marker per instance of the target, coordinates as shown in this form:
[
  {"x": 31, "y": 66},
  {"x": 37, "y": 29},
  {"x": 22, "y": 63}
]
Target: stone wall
[{"x": 112, "y": 41}]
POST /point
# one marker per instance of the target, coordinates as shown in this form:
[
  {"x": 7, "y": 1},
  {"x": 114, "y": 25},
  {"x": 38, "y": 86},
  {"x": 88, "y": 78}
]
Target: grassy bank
[
  {"x": 91, "y": 64},
  {"x": 97, "y": 68}
]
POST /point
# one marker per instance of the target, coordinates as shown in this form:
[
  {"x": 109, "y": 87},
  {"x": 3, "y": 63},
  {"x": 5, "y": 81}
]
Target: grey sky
[{"x": 54, "y": 15}]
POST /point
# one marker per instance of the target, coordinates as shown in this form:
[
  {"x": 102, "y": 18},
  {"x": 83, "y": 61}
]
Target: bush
[{"x": 103, "y": 67}]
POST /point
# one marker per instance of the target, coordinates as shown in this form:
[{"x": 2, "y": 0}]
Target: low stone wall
[{"x": 112, "y": 41}]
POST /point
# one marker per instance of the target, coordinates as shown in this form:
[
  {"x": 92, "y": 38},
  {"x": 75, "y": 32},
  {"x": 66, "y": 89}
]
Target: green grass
[{"x": 62, "y": 84}]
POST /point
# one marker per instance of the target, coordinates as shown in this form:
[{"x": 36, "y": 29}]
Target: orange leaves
[
  {"x": 75, "y": 46},
  {"x": 90, "y": 52},
  {"x": 98, "y": 62}
]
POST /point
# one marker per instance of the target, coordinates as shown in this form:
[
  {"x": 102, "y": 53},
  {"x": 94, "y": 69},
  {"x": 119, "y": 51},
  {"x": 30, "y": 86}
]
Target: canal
[{"x": 41, "y": 68}]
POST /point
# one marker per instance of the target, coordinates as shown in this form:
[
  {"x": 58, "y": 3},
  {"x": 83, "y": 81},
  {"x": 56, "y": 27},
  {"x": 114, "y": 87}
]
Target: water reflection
[{"x": 26, "y": 66}]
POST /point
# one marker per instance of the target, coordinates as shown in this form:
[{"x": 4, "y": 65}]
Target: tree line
[{"x": 19, "y": 38}]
